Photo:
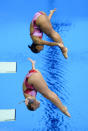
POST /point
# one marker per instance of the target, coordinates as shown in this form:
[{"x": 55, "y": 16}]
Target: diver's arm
[{"x": 43, "y": 42}]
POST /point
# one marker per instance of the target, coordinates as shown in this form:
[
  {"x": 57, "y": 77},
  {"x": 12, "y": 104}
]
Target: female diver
[
  {"x": 41, "y": 23},
  {"x": 34, "y": 82}
]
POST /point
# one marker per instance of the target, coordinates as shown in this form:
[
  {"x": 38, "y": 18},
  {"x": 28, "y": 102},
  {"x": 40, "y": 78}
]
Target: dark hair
[
  {"x": 33, "y": 48},
  {"x": 29, "y": 107},
  {"x": 29, "y": 104}
]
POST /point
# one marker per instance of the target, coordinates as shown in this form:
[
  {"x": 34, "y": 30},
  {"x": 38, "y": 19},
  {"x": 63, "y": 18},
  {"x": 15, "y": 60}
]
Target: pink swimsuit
[
  {"x": 37, "y": 32},
  {"x": 29, "y": 88}
]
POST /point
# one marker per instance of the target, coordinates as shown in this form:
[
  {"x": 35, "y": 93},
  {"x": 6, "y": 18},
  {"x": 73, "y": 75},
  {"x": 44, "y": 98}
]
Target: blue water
[{"x": 67, "y": 78}]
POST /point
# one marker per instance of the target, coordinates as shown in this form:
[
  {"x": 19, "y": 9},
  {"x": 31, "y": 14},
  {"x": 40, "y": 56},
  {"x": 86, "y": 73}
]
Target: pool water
[{"x": 67, "y": 78}]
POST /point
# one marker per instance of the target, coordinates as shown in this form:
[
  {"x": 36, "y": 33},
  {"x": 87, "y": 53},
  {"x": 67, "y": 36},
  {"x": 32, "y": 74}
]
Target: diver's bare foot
[
  {"x": 52, "y": 11},
  {"x": 65, "y": 111},
  {"x": 64, "y": 52},
  {"x": 33, "y": 62}
]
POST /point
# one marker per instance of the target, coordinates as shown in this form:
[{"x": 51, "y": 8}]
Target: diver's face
[
  {"x": 29, "y": 100},
  {"x": 39, "y": 48},
  {"x": 35, "y": 105}
]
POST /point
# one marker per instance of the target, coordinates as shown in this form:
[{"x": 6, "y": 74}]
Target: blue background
[{"x": 67, "y": 78}]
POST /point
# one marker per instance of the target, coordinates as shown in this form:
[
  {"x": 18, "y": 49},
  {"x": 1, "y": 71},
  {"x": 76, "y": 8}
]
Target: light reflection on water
[{"x": 54, "y": 66}]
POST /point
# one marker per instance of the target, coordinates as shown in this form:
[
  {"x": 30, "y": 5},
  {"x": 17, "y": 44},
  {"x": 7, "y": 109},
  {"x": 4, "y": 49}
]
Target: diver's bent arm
[{"x": 43, "y": 42}]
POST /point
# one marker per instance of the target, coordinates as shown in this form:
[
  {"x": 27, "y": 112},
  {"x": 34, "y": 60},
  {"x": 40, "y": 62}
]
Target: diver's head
[
  {"x": 32, "y": 104},
  {"x": 33, "y": 48}
]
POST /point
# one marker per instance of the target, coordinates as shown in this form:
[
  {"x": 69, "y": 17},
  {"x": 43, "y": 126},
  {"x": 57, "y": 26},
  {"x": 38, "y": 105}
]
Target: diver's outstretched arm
[
  {"x": 43, "y": 42},
  {"x": 51, "y": 13},
  {"x": 33, "y": 63}
]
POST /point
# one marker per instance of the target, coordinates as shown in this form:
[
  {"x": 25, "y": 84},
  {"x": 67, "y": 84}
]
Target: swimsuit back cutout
[
  {"x": 37, "y": 32},
  {"x": 29, "y": 88}
]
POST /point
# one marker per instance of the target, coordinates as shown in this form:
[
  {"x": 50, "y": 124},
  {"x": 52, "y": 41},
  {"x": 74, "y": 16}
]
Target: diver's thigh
[
  {"x": 39, "y": 84},
  {"x": 44, "y": 24},
  {"x": 35, "y": 76},
  {"x": 40, "y": 75}
]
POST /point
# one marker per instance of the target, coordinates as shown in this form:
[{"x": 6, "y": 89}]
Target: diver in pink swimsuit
[
  {"x": 34, "y": 83},
  {"x": 41, "y": 24},
  {"x": 29, "y": 88},
  {"x": 37, "y": 31}
]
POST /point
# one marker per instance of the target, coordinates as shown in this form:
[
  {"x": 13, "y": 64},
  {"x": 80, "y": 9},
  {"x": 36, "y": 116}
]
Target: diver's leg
[
  {"x": 56, "y": 37},
  {"x": 44, "y": 24},
  {"x": 46, "y": 27},
  {"x": 51, "y": 13},
  {"x": 33, "y": 63},
  {"x": 39, "y": 85}
]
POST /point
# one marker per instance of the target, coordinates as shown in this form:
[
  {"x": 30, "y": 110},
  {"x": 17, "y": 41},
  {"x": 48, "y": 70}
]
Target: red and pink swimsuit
[
  {"x": 29, "y": 88},
  {"x": 37, "y": 32}
]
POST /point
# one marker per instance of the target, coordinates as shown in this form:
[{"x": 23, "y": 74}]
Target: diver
[
  {"x": 34, "y": 83},
  {"x": 41, "y": 23}
]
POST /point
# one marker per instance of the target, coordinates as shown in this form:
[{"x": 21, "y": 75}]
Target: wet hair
[
  {"x": 33, "y": 48},
  {"x": 29, "y": 105}
]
